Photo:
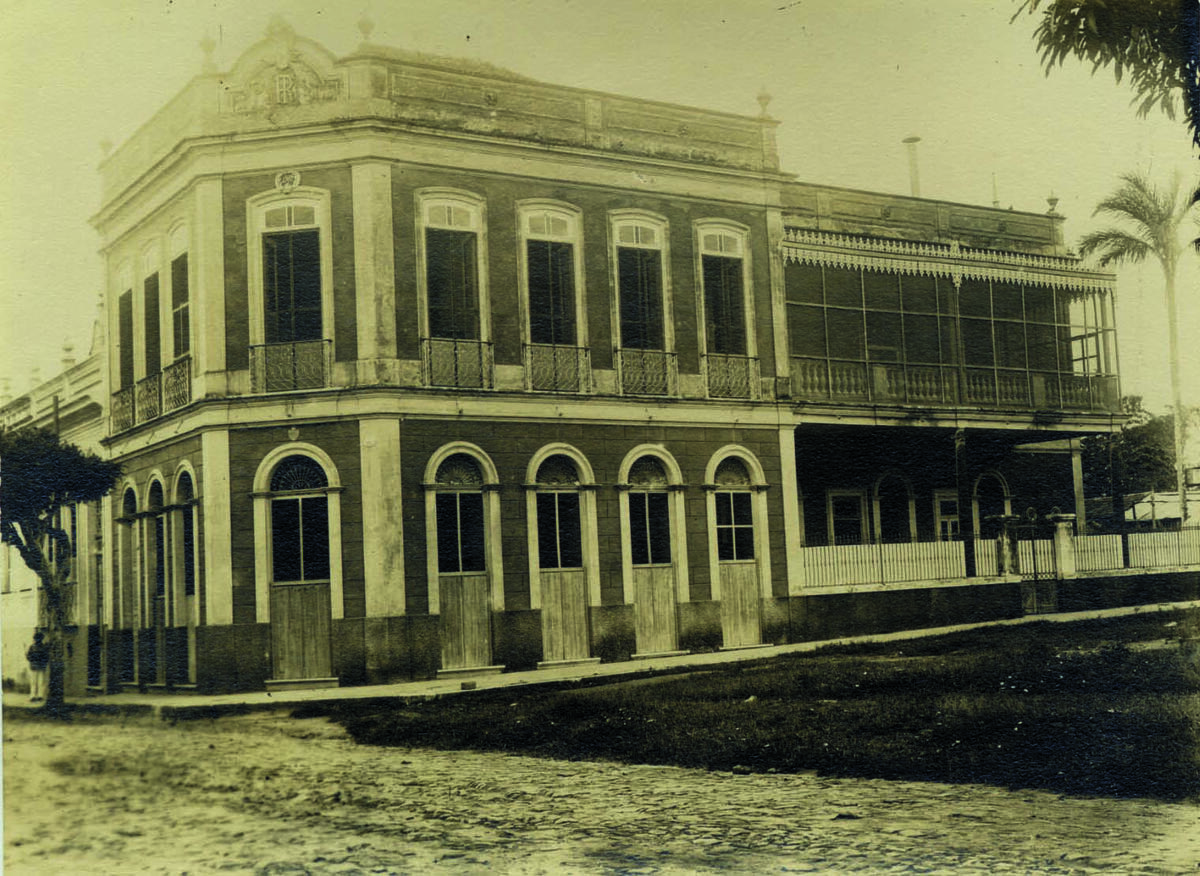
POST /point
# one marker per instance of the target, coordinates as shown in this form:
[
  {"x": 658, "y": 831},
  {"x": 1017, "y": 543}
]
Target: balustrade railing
[
  {"x": 729, "y": 376},
  {"x": 455, "y": 362},
  {"x": 149, "y": 397},
  {"x": 122, "y": 411},
  {"x": 291, "y": 365},
  {"x": 814, "y": 378},
  {"x": 177, "y": 384},
  {"x": 647, "y": 372},
  {"x": 557, "y": 368}
]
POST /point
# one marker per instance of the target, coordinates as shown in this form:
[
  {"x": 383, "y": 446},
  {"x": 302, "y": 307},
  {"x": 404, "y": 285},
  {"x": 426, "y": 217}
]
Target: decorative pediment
[{"x": 283, "y": 70}]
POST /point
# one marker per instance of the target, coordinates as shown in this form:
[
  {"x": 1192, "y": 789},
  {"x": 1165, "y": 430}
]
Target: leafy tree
[
  {"x": 1151, "y": 220},
  {"x": 40, "y": 475},
  {"x": 1140, "y": 458},
  {"x": 1155, "y": 43}
]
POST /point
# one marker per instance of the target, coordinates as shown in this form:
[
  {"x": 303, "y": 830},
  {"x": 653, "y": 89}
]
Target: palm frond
[{"x": 1115, "y": 246}]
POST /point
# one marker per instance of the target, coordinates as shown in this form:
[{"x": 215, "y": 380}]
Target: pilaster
[
  {"x": 383, "y": 524},
  {"x": 374, "y": 272},
  {"x": 207, "y": 263},
  {"x": 218, "y": 528},
  {"x": 793, "y": 522}
]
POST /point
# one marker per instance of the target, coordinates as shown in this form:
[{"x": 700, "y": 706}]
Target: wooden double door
[
  {"x": 300, "y": 631},
  {"x": 565, "y": 630}
]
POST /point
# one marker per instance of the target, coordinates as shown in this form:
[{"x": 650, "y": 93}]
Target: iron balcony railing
[
  {"x": 122, "y": 411},
  {"x": 153, "y": 396},
  {"x": 947, "y": 384},
  {"x": 291, "y": 365},
  {"x": 460, "y": 363},
  {"x": 177, "y": 384},
  {"x": 557, "y": 368},
  {"x": 730, "y": 376},
  {"x": 647, "y": 372}
]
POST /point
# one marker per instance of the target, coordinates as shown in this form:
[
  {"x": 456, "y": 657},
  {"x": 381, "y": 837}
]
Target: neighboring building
[
  {"x": 421, "y": 366},
  {"x": 72, "y": 404}
]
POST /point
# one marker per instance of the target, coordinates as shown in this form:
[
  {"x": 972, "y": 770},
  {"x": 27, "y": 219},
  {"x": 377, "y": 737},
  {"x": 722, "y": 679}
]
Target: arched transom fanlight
[
  {"x": 557, "y": 471},
  {"x": 732, "y": 473},
  {"x": 129, "y": 504},
  {"x": 155, "y": 499},
  {"x": 298, "y": 473},
  {"x": 647, "y": 472},
  {"x": 185, "y": 491},
  {"x": 460, "y": 470}
]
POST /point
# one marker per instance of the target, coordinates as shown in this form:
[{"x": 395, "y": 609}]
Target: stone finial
[
  {"x": 1053, "y": 202},
  {"x": 763, "y": 99},
  {"x": 366, "y": 27},
  {"x": 279, "y": 29},
  {"x": 208, "y": 45},
  {"x": 68, "y": 354}
]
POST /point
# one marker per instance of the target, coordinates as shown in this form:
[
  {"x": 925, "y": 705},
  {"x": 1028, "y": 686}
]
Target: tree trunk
[{"x": 1173, "y": 353}]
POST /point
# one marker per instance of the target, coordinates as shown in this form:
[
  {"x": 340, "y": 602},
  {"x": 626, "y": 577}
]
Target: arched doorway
[
  {"x": 185, "y": 598},
  {"x": 152, "y": 664},
  {"x": 991, "y": 500},
  {"x": 121, "y": 648},
  {"x": 460, "y": 513},
  {"x": 653, "y": 561},
  {"x": 732, "y": 516},
  {"x": 300, "y": 570},
  {"x": 561, "y": 520}
]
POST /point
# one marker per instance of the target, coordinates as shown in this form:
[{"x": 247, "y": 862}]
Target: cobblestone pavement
[{"x": 270, "y": 795}]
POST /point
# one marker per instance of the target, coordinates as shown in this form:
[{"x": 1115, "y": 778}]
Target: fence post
[{"x": 1064, "y": 544}]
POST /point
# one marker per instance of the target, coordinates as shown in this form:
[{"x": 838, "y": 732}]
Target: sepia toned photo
[{"x": 600, "y": 438}]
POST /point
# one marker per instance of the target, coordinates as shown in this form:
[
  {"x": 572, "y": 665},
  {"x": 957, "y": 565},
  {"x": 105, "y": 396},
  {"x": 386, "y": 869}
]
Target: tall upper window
[
  {"x": 125, "y": 336},
  {"x": 299, "y": 521},
  {"x": 452, "y": 268},
  {"x": 181, "y": 327},
  {"x": 551, "y": 254},
  {"x": 291, "y": 276},
  {"x": 639, "y": 245},
  {"x": 722, "y": 277},
  {"x": 150, "y": 319}
]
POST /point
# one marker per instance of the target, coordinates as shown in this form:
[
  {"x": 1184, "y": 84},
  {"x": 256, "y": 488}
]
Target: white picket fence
[
  {"x": 883, "y": 563},
  {"x": 1098, "y": 553},
  {"x": 1149, "y": 550}
]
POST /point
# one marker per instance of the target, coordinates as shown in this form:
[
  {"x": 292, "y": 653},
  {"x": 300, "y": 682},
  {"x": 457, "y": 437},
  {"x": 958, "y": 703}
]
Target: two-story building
[{"x": 419, "y": 366}]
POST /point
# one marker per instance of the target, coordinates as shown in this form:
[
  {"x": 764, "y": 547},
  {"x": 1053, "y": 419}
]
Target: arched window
[
  {"x": 299, "y": 521},
  {"x": 894, "y": 510},
  {"x": 649, "y": 513},
  {"x": 185, "y": 495},
  {"x": 734, "y": 512},
  {"x": 158, "y": 546},
  {"x": 560, "y": 536},
  {"x": 991, "y": 501},
  {"x": 460, "y": 518}
]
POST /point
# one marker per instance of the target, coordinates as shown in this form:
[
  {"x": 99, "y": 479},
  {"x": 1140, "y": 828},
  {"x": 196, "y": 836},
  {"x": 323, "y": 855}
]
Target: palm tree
[{"x": 1153, "y": 221}]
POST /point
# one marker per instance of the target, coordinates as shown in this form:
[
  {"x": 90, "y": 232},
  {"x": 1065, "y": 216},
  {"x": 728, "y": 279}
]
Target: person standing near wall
[{"x": 38, "y": 656}]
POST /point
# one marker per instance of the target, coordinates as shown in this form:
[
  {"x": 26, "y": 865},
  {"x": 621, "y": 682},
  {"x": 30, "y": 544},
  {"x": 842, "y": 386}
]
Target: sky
[{"x": 849, "y": 80}]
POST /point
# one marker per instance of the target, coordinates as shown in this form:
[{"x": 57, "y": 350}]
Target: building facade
[{"x": 418, "y": 366}]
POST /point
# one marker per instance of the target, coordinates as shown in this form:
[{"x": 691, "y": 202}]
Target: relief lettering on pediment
[{"x": 285, "y": 83}]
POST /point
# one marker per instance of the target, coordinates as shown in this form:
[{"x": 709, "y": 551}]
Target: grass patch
[{"x": 1065, "y": 707}]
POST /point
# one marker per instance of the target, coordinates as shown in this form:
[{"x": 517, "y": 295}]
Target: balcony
[
  {"x": 153, "y": 396},
  {"x": 463, "y": 364},
  {"x": 928, "y": 385},
  {"x": 290, "y": 366},
  {"x": 647, "y": 372},
  {"x": 557, "y": 368},
  {"x": 729, "y": 376}
]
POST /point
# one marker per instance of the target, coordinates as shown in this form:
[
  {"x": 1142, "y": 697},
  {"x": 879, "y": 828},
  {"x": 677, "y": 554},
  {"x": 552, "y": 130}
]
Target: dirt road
[{"x": 270, "y": 795}]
